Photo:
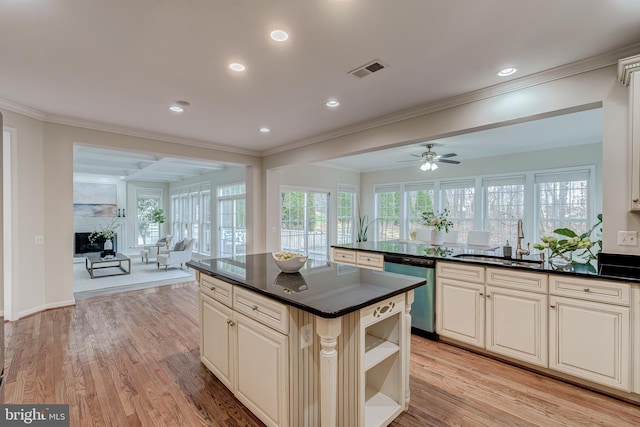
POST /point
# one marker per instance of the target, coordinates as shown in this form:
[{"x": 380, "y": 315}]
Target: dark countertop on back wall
[
  {"x": 329, "y": 290},
  {"x": 609, "y": 266}
]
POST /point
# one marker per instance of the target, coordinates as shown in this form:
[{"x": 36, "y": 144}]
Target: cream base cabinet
[
  {"x": 460, "y": 309},
  {"x": 216, "y": 339},
  {"x": 590, "y": 340},
  {"x": 516, "y": 323},
  {"x": 262, "y": 365}
]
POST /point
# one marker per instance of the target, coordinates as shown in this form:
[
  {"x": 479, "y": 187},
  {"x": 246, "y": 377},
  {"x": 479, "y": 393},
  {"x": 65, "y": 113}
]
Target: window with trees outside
[
  {"x": 232, "y": 220},
  {"x": 347, "y": 213},
  {"x": 504, "y": 206},
  {"x": 303, "y": 223},
  {"x": 563, "y": 201},
  {"x": 560, "y": 198},
  {"x": 148, "y": 201}
]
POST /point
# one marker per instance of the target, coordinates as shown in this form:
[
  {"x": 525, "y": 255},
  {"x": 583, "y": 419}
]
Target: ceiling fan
[{"x": 430, "y": 158}]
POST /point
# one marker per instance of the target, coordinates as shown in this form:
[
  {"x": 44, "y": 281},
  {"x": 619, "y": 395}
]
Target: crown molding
[
  {"x": 5, "y": 104},
  {"x": 122, "y": 130},
  {"x": 571, "y": 69},
  {"x": 626, "y": 67},
  {"x": 557, "y": 73}
]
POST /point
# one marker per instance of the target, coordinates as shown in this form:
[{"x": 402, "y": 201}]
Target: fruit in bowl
[{"x": 289, "y": 262}]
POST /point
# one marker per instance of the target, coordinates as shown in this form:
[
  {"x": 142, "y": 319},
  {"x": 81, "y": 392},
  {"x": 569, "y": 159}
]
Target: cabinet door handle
[
  {"x": 586, "y": 289},
  {"x": 254, "y": 308},
  {"x": 481, "y": 294},
  {"x": 552, "y": 306},
  {"x": 212, "y": 288},
  {"x": 635, "y": 200},
  {"x": 230, "y": 322},
  {"x": 488, "y": 295}
]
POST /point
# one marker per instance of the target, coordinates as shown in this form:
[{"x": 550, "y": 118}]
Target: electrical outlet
[
  {"x": 306, "y": 335},
  {"x": 38, "y": 239},
  {"x": 627, "y": 238}
]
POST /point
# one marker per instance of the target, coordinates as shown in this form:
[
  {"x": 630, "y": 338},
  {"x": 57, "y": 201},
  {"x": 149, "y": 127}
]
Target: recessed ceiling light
[
  {"x": 265, "y": 130},
  {"x": 176, "y": 109},
  {"x": 279, "y": 35},
  {"x": 332, "y": 103},
  {"x": 236, "y": 67},
  {"x": 507, "y": 71}
]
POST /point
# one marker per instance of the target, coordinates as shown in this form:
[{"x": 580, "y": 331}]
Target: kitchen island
[{"x": 326, "y": 346}]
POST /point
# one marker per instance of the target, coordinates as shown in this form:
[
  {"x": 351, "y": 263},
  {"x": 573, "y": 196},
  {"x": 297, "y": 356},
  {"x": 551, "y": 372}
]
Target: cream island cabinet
[
  {"x": 328, "y": 346},
  {"x": 576, "y": 327}
]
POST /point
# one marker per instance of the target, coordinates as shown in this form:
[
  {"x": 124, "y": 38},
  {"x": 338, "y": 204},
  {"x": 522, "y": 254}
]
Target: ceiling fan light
[
  {"x": 434, "y": 166},
  {"x": 425, "y": 166}
]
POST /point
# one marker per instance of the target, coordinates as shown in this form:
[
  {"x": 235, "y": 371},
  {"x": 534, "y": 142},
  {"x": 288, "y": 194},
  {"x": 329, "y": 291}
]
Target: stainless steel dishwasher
[{"x": 423, "y": 309}]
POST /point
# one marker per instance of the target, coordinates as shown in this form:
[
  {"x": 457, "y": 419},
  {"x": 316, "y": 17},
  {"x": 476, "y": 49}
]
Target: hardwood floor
[{"x": 132, "y": 359}]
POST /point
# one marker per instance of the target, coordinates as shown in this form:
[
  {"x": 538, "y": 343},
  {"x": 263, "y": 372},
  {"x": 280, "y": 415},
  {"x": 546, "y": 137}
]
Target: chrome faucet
[{"x": 519, "y": 250}]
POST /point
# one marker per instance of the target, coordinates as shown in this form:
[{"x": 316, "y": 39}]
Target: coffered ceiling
[{"x": 120, "y": 65}]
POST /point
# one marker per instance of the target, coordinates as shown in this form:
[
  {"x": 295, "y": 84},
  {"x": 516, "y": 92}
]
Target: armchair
[
  {"x": 152, "y": 251},
  {"x": 176, "y": 256}
]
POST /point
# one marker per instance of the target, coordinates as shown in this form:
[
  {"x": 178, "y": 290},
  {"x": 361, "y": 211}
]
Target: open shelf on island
[
  {"x": 376, "y": 350},
  {"x": 379, "y": 408}
]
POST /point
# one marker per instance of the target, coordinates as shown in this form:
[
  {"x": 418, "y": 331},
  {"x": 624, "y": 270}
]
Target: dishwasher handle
[{"x": 409, "y": 260}]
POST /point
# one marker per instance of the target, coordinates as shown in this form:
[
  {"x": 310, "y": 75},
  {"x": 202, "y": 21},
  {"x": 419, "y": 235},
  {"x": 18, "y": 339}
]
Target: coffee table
[{"x": 95, "y": 262}]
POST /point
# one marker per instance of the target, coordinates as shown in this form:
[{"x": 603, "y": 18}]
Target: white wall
[
  {"x": 45, "y": 200},
  {"x": 45, "y": 162},
  {"x": 587, "y": 90},
  {"x": 304, "y": 176}
]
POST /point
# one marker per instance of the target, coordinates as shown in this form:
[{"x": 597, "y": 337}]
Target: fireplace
[{"x": 83, "y": 245}]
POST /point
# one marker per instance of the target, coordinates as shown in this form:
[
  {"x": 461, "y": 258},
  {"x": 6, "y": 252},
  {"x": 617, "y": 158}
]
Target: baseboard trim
[{"x": 44, "y": 307}]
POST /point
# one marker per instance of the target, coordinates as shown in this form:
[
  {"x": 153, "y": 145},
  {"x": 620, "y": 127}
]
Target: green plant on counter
[
  {"x": 571, "y": 248},
  {"x": 437, "y": 220}
]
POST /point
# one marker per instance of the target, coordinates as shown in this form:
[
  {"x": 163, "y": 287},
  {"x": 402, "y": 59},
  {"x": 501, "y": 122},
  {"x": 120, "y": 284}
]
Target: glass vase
[{"x": 561, "y": 261}]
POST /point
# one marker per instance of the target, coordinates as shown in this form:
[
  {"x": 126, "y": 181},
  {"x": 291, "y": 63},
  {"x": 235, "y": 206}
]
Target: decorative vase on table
[{"x": 437, "y": 237}]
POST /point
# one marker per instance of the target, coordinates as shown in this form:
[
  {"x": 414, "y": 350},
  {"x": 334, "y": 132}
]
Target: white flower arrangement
[{"x": 437, "y": 220}]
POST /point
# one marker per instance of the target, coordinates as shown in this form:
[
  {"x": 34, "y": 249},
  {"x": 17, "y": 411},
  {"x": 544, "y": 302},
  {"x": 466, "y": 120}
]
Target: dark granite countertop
[
  {"x": 328, "y": 290},
  {"x": 609, "y": 266}
]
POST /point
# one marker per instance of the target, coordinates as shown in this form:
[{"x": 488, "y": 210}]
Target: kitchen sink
[{"x": 493, "y": 259}]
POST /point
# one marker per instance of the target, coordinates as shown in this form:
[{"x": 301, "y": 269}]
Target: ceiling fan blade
[
  {"x": 444, "y": 156},
  {"x": 453, "y": 162},
  {"x": 412, "y": 160}
]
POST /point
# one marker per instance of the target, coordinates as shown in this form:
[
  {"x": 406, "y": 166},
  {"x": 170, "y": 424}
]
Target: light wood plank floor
[{"x": 132, "y": 359}]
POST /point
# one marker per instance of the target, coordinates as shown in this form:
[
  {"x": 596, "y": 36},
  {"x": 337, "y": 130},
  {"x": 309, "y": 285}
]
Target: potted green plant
[
  {"x": 439, "y": 223},
  {"x": 108, "y": 231}
]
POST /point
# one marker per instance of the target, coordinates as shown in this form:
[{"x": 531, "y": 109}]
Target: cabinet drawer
[
  {"x": 591, "y": 289},
  {"x": 262, "y": 309},
  {"x": 344, "y": 256},
  {"x": 216, "y": 289},
  {"x": 381, "y": 310},
  {"x": 518, "y": 279},
  {"x": 460, "y": 271},
  {"x": 370, "y": 260}
]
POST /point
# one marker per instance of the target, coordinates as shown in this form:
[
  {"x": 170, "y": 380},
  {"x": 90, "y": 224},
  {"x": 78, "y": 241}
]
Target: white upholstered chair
[
  {"x": 478, "y": 238},
  {"x": 180, "y": 256},
  {"x": 152, "y": 251}
]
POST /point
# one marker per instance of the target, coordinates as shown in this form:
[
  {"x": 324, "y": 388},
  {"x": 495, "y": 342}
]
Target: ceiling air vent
[{"x": 367, "y": 69}]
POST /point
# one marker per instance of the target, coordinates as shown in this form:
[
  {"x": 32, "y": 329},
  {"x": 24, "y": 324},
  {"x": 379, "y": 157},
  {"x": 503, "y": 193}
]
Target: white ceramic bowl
[{"x": 290, "y": 265}]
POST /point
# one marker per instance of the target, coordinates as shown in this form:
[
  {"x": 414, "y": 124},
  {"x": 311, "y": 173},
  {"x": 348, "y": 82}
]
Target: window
[
  {"x": 148, "y": 200},
  {"x": 347, "y": 213},
  {"x": 504, "y": 205},
  {"x": 563, "y": 201},
  {"x": 459, "y": 198},
  {"x": 304, "y": 228},
  {"x": 232, "y": 218},
  {"x": 191, "y": 215},
  {"x": 387, "y": 212},
  {"x": 419, "y": 198}
]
